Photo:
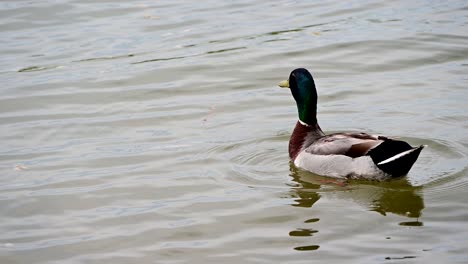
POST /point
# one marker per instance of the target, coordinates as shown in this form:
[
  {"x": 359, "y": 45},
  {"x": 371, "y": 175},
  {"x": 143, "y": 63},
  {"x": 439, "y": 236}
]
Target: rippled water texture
[{"x": 154, "y": 132}]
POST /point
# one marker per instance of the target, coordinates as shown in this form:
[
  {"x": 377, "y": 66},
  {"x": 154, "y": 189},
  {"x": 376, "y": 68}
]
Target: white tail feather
[{"x": 399, "y": 155}]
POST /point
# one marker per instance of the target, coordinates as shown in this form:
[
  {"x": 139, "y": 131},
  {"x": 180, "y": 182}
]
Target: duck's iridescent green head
[{"x": 303, "y": 90}]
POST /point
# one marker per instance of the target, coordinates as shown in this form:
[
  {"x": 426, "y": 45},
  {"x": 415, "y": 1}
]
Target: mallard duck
[{"x": 343, "y": 155}]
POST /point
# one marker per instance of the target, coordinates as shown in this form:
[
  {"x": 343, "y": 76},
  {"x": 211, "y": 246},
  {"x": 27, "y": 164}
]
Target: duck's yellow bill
[{"x": 284, "y": 84}]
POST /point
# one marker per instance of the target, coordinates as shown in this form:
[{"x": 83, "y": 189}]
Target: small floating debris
[
  {"x": 210, "y": 114},
  {"x": 151, "y": 17},
  {"x": 20, "y": 167}
]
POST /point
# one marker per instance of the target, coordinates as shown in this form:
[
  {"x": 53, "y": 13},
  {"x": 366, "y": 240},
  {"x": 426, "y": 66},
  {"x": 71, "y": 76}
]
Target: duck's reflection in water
[{"x": 395, "y": 197}]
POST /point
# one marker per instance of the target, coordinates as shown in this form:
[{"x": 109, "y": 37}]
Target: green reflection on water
[
  {"x": 396, "y": 196},
  {"x": 302, "y": 232},
  {"x": 307, "y": 248}
]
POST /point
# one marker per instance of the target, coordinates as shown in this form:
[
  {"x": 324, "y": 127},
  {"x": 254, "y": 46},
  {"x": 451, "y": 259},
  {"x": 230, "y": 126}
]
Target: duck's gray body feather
[
  {"x": 341, "y": 155},
  {"x": 350, "y": 155},
  {"x": 340, "y": 166}
]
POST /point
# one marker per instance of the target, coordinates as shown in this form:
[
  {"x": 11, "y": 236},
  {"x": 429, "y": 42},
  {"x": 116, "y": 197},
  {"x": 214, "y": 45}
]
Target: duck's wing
[{"x": 348, "y": 144}]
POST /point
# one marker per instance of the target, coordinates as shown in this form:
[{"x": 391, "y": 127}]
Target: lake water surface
[{"x": 154, "y": 131}]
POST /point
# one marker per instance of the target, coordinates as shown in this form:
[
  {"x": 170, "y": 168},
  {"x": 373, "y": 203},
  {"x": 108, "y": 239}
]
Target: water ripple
[{"x": 140, "y": 131}]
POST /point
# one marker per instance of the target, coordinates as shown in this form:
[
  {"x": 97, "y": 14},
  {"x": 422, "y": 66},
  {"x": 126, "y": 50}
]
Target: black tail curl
[{"x": 390, "y": 148}]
